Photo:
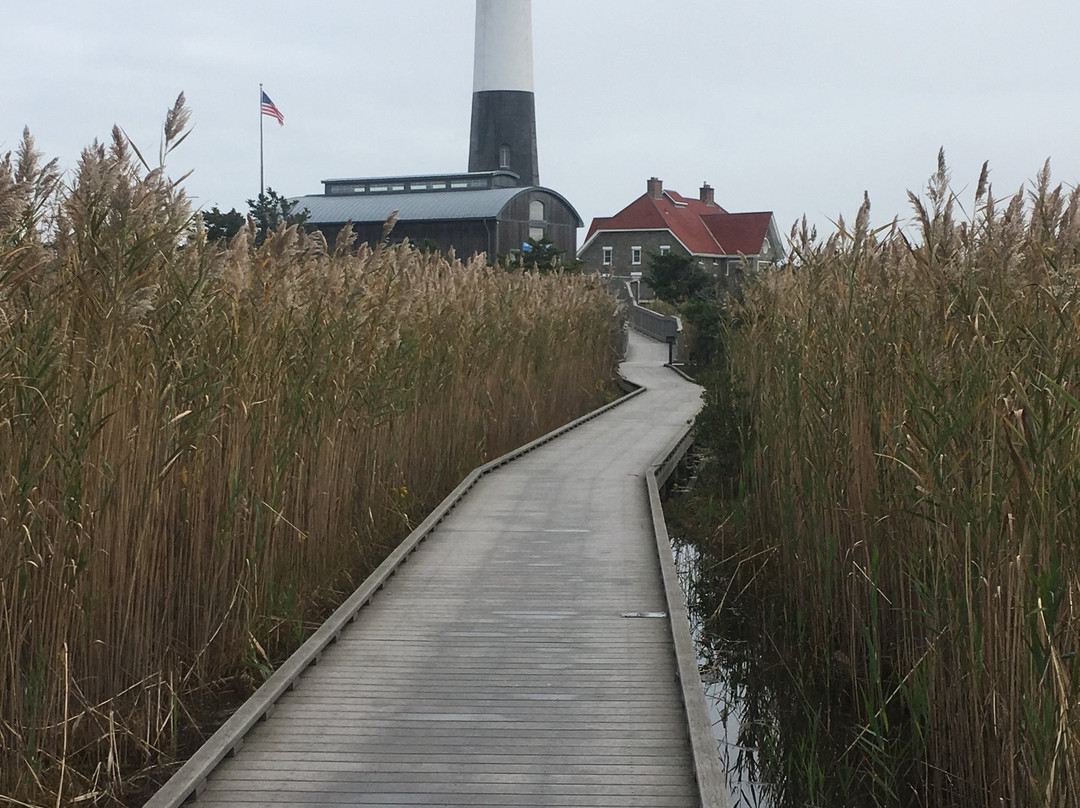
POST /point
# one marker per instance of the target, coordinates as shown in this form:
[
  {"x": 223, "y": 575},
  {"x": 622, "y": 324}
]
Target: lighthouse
[
  {"x": 498, "y": 205},
  {"x": 503, "y": 135}
]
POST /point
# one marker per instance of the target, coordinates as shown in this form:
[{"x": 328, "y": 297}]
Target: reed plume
[
  {"x": 912, "y": 427},
  {"x": 203, "y": 448}
]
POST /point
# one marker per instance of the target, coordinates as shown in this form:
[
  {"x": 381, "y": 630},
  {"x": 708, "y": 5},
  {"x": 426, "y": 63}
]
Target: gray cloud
[{"x": 792, "y": 107}]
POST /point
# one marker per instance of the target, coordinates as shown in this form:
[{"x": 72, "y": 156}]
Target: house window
[
  {"x": 665, "y": 249},
  {"x": 635, "y": 256},
  {"x": 608, "y": 255},
  {"x": 536, "y": 233},
  {"x": 504, "y": 157},
  {"x": 536, "y": 210}
]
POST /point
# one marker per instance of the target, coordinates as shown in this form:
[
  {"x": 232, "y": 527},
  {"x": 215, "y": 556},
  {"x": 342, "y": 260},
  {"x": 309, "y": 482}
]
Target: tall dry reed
[
  {"x": 202, "y": 449},
  {"x": 911, "y": 441}
]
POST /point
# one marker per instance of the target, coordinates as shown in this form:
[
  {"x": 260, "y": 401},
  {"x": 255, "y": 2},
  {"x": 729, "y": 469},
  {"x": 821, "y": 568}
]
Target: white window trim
[
  {"x": 607, "y": 256},
  {"x": 635, "y": 256}
]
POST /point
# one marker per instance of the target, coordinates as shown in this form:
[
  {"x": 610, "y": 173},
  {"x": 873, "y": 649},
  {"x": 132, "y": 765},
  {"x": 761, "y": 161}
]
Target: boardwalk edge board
[
  {"x": 190, "y": 778},
  {"x": 711, "y": 780}
]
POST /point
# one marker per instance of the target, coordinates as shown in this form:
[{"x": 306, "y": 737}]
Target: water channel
[{"x": 735, "y": 706}]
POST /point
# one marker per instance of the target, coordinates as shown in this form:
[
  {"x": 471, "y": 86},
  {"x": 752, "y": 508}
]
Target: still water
[{"x": 738, "y": 716}]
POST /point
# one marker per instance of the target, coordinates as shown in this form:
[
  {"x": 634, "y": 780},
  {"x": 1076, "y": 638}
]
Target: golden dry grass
[
  {"x": 203, "y": 448},
  {"x": 911, "y": 469}
]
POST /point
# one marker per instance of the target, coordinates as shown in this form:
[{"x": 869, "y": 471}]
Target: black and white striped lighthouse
[{"x": 504, "y": 107}]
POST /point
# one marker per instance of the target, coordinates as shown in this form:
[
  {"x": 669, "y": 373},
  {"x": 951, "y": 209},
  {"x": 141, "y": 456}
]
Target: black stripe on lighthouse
[
  {"x": 504, "y": 107},
  {"x": 504, "y": 134}
]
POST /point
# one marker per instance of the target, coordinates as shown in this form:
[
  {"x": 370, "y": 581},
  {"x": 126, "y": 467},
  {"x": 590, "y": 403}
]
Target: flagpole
[{"x": 261, "y": 116}]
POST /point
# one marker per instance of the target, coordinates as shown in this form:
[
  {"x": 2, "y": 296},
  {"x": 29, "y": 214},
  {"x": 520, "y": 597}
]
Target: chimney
[
  {"x": 708, "y": 195},
  {"x": 504, "y": 109},
  {"x": 656, "y": 188}
]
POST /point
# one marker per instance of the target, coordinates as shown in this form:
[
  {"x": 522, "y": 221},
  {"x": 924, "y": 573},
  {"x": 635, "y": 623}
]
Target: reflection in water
[{"x": 741, "y": 722}]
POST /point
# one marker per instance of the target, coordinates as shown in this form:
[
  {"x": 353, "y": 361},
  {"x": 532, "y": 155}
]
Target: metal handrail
[{"x": 661, "y": 327}]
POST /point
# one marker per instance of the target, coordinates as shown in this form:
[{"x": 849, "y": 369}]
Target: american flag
[{"x": 270, "y": 108}]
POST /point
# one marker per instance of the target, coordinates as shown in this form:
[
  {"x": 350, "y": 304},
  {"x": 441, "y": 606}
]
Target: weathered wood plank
[
  {"x": 593, "y": 751},
  {"x": 499, "y": 666},
  {"x": 269, "y": 799}
]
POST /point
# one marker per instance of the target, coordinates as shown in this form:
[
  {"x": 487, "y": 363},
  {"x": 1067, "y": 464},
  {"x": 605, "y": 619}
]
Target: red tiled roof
[
  {"x": 739, "y": 233},
  {"x": 703, "y": 229}
]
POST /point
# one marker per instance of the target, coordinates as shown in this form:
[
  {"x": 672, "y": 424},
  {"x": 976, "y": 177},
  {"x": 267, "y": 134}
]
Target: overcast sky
[{"x": 780, "y": 105}]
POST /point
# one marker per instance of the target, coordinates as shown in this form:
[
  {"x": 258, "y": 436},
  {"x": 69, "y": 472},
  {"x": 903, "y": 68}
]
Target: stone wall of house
[
  {"x": 729, "y": 271},
  {"x": 622, "y": 244}
]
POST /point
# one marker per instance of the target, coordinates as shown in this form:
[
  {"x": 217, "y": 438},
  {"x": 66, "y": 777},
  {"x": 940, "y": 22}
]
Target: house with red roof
[{"x": 662, "y": 221}]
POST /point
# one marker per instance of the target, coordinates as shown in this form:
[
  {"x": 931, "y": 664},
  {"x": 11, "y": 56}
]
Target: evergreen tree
[
  {"x": 271, "y": 210},
  {"x": 675, "y": 278},
  {"x": 540, "y": 255},
  {"x": 222, "y": 226},
  {"x": 268, "y": 211}
]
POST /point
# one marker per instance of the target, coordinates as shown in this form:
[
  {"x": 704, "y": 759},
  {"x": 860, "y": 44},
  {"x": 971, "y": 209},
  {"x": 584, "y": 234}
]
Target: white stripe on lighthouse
[{"x": 504, "y": 53}]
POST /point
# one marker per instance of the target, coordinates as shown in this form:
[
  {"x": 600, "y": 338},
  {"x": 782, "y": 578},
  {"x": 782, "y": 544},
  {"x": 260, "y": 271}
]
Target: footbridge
[{"x": 527, "y": 645}]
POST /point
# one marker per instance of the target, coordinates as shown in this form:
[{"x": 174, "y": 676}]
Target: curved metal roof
[{"x": 485, "y": 203}]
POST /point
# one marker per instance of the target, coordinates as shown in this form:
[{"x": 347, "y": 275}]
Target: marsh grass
[
  {"x": 909, "y": 412},
  {"x": 204, "y": 448}
]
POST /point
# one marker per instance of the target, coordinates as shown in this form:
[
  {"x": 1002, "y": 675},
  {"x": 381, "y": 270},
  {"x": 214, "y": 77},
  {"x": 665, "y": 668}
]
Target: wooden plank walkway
[{"x": 497, "y": 666}]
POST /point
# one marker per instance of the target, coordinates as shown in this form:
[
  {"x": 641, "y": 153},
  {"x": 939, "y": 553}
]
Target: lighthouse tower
[{"x": 504, "y": 107}]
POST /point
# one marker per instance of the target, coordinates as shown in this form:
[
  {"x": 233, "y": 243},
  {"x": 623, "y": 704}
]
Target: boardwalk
[{"x": 499, "y": 666}]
